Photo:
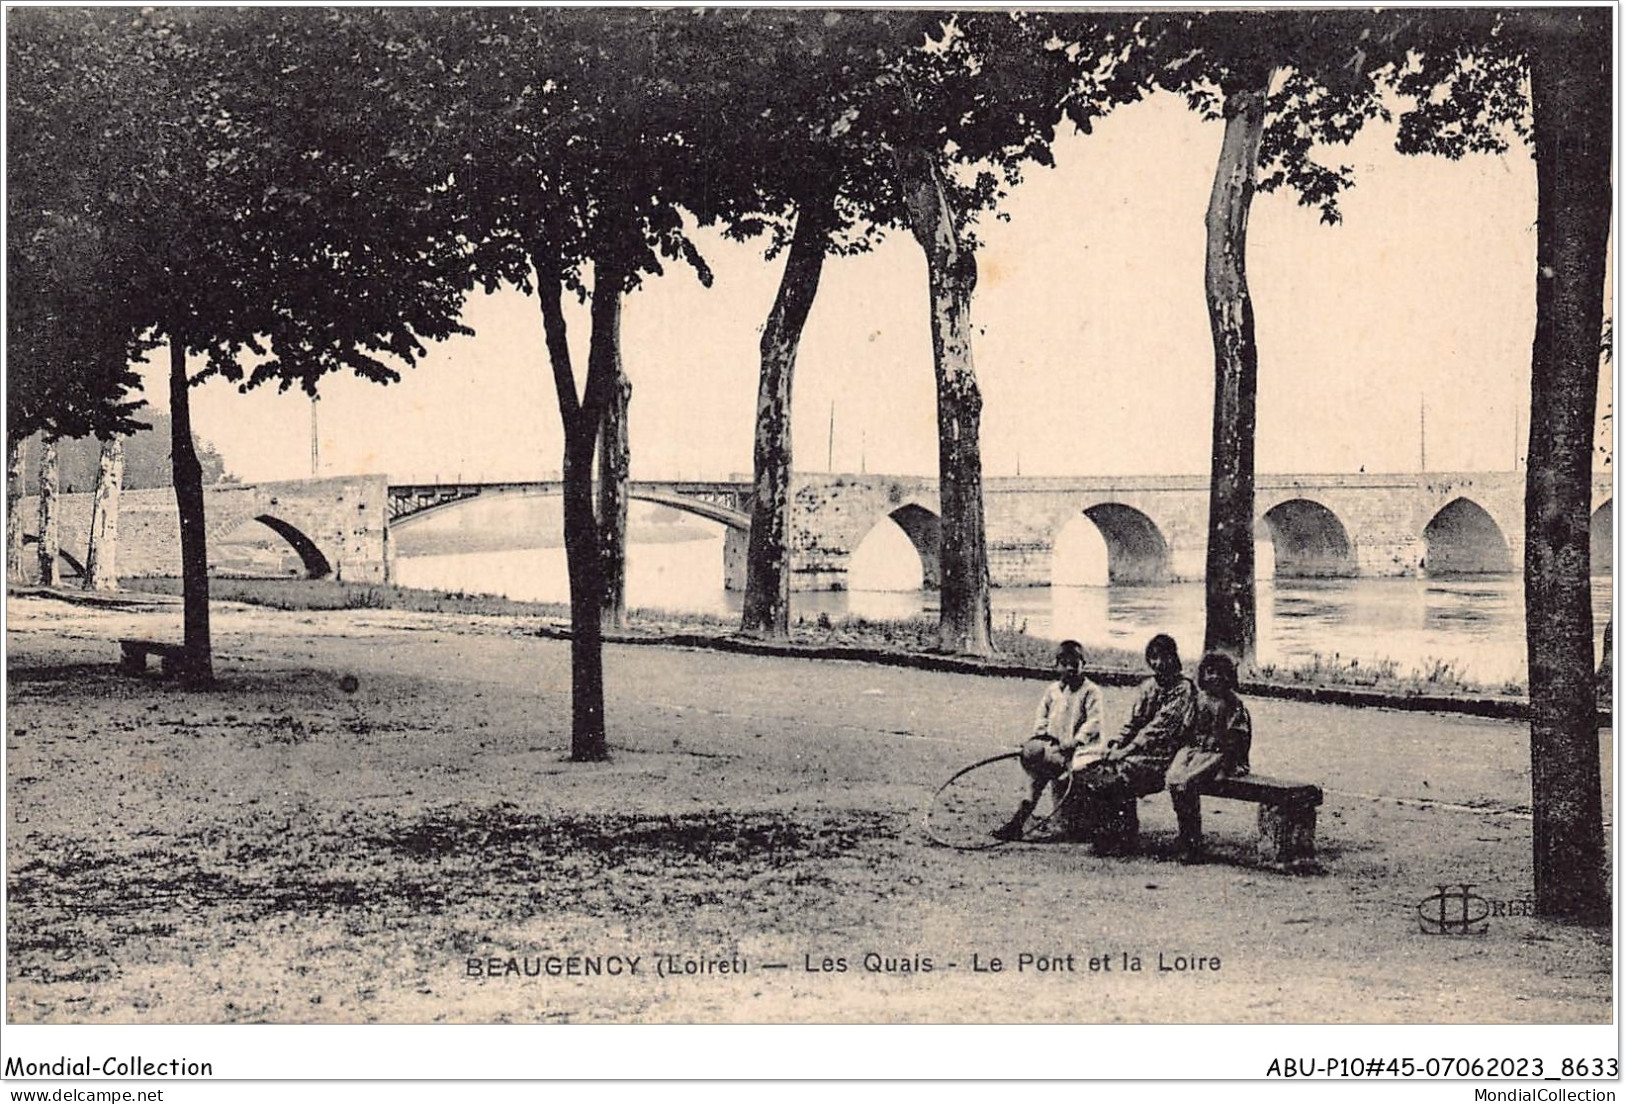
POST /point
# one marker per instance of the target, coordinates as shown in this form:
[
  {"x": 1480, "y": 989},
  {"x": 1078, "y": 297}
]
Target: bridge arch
[
  {"x": 1463, "y": 539},
  {"x": 921, "y": 526},
  {"x": 315, "y": 562},
  {"x": 1136, "y": 550},
  {"x": 1310, "y": 541},
  {"x": 1078, "y": 554},
  {"x": 710, "y": 511},
  {"x": 75, "y": 567}
]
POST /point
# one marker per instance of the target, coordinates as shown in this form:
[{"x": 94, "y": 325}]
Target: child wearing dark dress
[{"x": 1137, "y": 759}]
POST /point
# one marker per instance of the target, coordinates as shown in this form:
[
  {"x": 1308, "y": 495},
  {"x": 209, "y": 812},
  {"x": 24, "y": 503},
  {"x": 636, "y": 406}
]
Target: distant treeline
[{"x": 146, "y": 460}]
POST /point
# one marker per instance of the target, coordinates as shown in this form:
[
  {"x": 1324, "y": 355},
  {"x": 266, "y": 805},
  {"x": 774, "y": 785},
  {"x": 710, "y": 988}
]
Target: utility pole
[
  {"x": 829, "y": 462},
  {"x": 315, "y": 456},
  {"x": 1424, "y": 433}
]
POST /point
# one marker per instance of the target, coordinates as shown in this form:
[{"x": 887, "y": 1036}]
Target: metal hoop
[{"x": 990, "y": 842}]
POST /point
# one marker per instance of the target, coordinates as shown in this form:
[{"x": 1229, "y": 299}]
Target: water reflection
[{"x": 1474, "y": 624}]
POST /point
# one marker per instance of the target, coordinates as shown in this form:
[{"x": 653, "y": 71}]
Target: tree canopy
[
  {"x": 242, "y": 179},
  {"x": 72, "y": 328}
]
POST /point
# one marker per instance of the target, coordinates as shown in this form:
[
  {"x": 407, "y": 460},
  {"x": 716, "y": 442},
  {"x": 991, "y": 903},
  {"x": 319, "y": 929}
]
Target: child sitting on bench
[
  {"x": 1135, "y": 762},
  {"x": 1219, "y": 746},
  {"x": 1066, "y": 734}
]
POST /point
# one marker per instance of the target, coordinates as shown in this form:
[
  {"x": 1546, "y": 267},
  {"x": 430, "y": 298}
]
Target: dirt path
[{"x": 278, "y": 850}]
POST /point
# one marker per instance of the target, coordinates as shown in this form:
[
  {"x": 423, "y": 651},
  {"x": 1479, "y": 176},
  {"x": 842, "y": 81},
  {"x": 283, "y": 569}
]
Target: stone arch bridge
[
  {"x": 1154, "y": 527},
  {"x": 318, "y": 528}
]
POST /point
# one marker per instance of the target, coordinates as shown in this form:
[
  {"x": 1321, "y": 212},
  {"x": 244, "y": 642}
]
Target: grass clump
[{"x": 1432, "y": 676}]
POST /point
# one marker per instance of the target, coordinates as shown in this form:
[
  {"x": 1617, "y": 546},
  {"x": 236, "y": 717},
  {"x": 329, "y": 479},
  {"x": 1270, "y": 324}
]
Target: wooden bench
[
  {"x": 134, "y": 653},
  {"x": 1286, "y": 818}
]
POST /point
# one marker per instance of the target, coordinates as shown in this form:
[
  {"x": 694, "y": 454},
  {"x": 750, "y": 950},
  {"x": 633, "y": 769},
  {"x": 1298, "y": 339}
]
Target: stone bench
[
  {"x": 134, "y": 653},
  {"x": 1286, "y": 813},
  {"x": 1286, "y": 818}
]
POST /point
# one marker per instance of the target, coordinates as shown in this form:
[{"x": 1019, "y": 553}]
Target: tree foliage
[
  {"x": 241, "y": 178},
  {"x": 250, "y": 189},
  {"x": 72, "y": 328},
  {"x": 146, "y": 460}
]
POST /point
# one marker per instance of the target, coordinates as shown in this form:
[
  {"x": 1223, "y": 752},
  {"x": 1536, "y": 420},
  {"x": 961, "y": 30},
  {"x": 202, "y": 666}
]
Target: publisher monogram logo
[{"x": 1454, "y": 910}]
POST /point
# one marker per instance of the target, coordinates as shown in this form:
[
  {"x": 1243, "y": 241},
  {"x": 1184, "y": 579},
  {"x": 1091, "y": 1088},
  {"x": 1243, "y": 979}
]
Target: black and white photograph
[{"x": 1094, "y": 519}]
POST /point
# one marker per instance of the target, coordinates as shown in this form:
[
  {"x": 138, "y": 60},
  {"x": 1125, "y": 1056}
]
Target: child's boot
[
  {"x": 1188, "y": 811},
  {"x": 1012, "y": 829}
]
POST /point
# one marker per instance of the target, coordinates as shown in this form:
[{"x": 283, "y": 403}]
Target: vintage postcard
[{"x": 829, "y": 517}]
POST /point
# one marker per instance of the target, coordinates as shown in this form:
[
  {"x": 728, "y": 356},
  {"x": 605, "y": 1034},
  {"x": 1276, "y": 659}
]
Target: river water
[{"x": 1474, "y": 624}]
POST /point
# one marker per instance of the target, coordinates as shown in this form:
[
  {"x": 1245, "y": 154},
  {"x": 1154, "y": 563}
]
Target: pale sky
[{"x": 1093, "y": 349}]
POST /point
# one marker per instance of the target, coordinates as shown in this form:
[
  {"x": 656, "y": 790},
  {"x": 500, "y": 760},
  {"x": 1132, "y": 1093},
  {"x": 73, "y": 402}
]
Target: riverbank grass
[{"x": 1431, "y": 676}]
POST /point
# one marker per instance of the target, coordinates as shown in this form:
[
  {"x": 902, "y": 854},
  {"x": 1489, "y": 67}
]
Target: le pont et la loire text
[{"x": 666, "y": 965}]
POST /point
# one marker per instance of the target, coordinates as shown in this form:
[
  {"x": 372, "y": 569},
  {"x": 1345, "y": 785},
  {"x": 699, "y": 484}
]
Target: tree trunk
[
  {"x": 966, "y": 622},
  {"x": 50, "y": 524},
  {"x": 1571, "y": 83},
  {"x": 197, "y": 665},
  {"x": 1231, "y": 589},
  {"x": 589, "y": 741},
  {"x": 101, "y": 551},
  {"x": 16, "y": 458},
  {"x": 582, "y": 419},
  {"x": 615, "y": 453},
  {"x": 767, "y": 565}
]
